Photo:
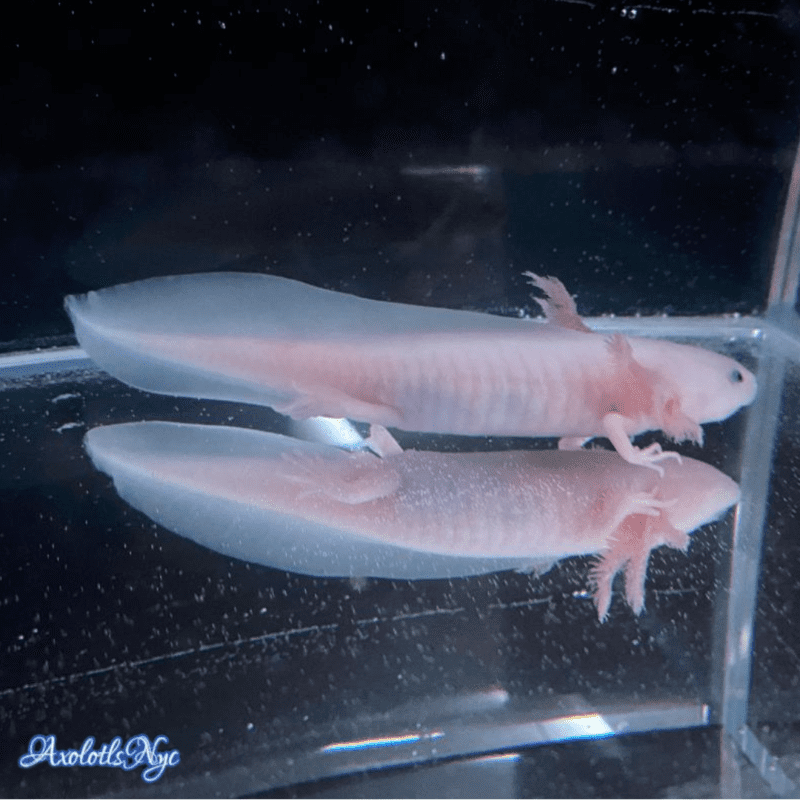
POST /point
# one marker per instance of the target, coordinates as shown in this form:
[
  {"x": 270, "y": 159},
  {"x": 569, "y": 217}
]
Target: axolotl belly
[
  {"x": 309, "y": 352},
  {"x": 318, "y": 510}
]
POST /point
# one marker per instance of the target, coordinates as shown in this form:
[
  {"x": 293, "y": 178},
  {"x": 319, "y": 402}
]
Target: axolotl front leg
[
  {"x": 614, "y": 425},
  {"x": 629, "y": 550},
  {"x": 638, "y": 390},
  {"x": 636, "y": 526}
]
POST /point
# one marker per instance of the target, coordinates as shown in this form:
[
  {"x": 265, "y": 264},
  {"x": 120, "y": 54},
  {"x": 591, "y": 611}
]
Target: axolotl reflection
[{"x": 319, "y": 510}]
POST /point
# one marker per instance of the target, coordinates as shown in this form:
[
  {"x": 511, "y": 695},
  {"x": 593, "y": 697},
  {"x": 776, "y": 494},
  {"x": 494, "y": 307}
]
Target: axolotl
[
  {"x": 318, "y": 510},
  {"x": 307, "y": 352}
]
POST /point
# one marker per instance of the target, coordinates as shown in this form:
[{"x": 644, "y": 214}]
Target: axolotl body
[
  {"x": 307, "y": 352},
  {"x": 319, "y": 510}
]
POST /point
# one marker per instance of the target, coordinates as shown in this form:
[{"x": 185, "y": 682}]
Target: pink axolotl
[
  {"x": 318, "y": 510},
  {"x": 311, "y": 352}
]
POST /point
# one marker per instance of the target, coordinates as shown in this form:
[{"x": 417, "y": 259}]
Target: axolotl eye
[{"x": 736, "y": 376}]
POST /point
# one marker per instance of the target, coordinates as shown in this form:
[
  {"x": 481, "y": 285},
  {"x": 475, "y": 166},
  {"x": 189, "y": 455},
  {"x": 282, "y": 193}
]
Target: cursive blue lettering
[
  {"x": 86, "y": 751},
  {"x": 39, "y": 749},
  {"x": 138, "y": 751}
]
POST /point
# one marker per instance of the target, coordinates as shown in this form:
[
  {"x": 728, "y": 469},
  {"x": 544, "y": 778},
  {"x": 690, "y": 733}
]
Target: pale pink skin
[
  {"x": 287, "y": 503},
  {"x": 310, "y": 352}
]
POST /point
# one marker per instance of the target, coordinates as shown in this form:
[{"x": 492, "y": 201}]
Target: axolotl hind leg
[
  {"x": 381, "y": 442},
  {"x": 352, "y": 478}
]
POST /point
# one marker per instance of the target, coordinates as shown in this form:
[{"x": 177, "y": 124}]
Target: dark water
[{"x": 640, "y": 154}]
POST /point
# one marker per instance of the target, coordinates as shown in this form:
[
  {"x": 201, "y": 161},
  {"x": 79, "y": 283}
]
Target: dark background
[{"x": 640, "y": 153}]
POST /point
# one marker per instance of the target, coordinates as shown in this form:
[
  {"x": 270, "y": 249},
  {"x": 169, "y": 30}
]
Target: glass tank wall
[{"x": 643, "y": 155}]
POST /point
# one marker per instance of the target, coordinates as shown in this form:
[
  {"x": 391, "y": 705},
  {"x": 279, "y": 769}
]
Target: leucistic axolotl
[
  {"x": 318, "y": 510},
  {"x": 311, "y": 352}
]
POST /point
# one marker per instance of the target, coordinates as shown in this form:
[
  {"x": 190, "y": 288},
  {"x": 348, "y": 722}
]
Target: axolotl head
[
  {"x": 709, "y": 386},
  {"x": 697, "y": 492}
]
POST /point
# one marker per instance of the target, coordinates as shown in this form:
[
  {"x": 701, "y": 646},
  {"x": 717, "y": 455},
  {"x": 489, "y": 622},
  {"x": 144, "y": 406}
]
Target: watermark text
[{"x": 138, "y": 751}]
